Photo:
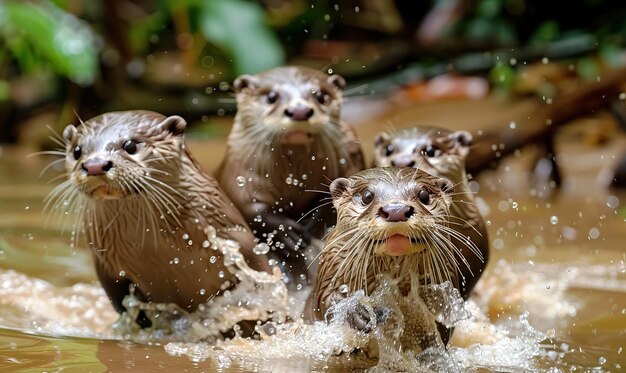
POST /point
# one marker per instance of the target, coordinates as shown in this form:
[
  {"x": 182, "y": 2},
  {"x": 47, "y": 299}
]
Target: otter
[
  {"x": 392, "y": 221},
  {"x": 145, "y": 203},
  {"x": 443, "y": 153},
  {"x": 287, "y": 141}
]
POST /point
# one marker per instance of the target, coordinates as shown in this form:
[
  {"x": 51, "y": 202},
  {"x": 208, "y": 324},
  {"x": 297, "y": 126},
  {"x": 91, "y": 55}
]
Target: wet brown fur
[
  {"x": 152, "y": 235},
  {"x": 348, "y": 257},
  {"x": 280, "y": 180},
  {"x": 402, "y": 147}
]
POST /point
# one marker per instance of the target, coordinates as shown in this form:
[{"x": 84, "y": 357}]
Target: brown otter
[
  {"x": 286, "y": 142},
  {"x": 443, "y": 153},
  {"x": 145, "y": 203},
  {"x": 389, "y": 220}
]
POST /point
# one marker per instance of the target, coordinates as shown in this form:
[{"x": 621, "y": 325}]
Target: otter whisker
[
  {"x": 451, "y": 250},
  {"x": 161, "y": 201},
  {"x": 59, "y": 152},
  {"x": 313, "y": 209},
  {"x": 466, "y": 223},
  {"x": 348, "y": 93},
  {"x": 54, "y": 179},
  {"x": 352, "y": 247},
  {"x": 464, "y": 240}
]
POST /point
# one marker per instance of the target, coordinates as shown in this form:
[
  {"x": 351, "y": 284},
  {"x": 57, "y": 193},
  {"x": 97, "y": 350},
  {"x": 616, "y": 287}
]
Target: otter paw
[{"x": 359, "y": 317}]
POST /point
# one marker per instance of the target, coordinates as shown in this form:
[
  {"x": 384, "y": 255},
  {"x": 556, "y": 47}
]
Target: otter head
[
  {"x": 392, "y": 211},
  {"x": 291, "y": 105},
  {"x": 434, "y": 150},
  {"x": 119, "y": 154}
]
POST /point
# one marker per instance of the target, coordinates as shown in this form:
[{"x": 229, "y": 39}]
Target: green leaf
[
  {"x": 238, "y": 27},
  {"x": 502, "y": 75},
  {"x": 53, "y": 36}
]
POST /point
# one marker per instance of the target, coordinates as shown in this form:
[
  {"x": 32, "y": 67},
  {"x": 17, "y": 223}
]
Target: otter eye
[
  {"x": 130, "y": 147},
  {"x": 321, "y": 96},
  {"x": 424, "y": 196},
  {"x": 272, "y": 97},
  {"x": 431, "y": 151},
  {"x": 389, "y": 150},
  {"x": 77, "y": 152},
  {"x": 367, "y": 197}
]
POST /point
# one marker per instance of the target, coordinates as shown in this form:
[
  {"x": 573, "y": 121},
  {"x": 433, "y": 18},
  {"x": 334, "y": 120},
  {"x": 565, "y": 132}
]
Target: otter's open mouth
[
  {"x": 296, "y": 137},
  {"x": 105, "y": 191},
  {"x": 398, "y": 245}
]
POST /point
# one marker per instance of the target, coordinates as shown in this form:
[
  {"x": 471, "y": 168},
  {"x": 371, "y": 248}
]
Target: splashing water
[
  {"x": 492, "y": 330},
  {"x": 412, "y": 321},
  {"x": 257, "y": 296}
]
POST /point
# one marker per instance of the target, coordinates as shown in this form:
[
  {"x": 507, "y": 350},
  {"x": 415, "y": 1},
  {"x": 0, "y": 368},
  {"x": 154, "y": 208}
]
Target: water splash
[{"x": 258, "y": 296}]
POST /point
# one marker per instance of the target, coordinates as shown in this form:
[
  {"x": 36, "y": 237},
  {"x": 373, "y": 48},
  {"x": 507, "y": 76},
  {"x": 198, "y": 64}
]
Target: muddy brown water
[{"x": 574, "y": 241}]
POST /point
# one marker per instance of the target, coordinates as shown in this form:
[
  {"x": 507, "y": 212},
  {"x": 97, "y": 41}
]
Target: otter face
[
  {"x": 437, "y": 151},
  {"x": 119, "y": 154},
  {"x": 292, "y": 104},
  {"x": 393, "y": 211}
]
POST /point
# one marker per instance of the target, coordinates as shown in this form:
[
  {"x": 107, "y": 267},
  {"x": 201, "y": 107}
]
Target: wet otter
[
  {"x": 389, "y": 220},
  {"x": 145, "y": 203},
  {"x": 443, "y": 153},
  {"x": 287, "y": 141}
]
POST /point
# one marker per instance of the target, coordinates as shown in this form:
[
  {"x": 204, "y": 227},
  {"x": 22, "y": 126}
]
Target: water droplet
[
  {"x": 185, "y": 236},
  {"x": 206, "y": 244},
  {"x": 503, "y": 206},
  {"x": 602, "y": 360},
  {"x": 241, "y": 181},
  {"x": 213, "y": 259},
  {"x": 554, "y": 219},
  {"x": 594, "y": 233},
  {"x": 122, "y": 273},
  {"x": 288, "y": 180},
  {"x": 261, "y": 249},
  {"x": 313, "y": 158},
  {"x": 221, "y": 274},
  {"x": 512, "y": 125},
  {"x": 344, "y": 289},
  {"x": 303, "y": 177},
  {"x": 175, "y": 260},
  {"x": 202, "y": 291},
  {"x": 514, "y": 205},
  {"x": 612, "y": 202}
]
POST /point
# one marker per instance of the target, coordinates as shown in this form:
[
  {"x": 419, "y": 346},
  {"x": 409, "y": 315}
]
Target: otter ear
[
  {"x": 339, "y": 187},
  {"x": 174, "y": 124},
  {"x": 338, "y": 81},
  {"x": 445, "y": 185},
  {"x": 244, "y": 81},
  {"x": 382, "y": 138},
  {"x": 462, "y": 137},
  {"x": 69, "y": 132}
]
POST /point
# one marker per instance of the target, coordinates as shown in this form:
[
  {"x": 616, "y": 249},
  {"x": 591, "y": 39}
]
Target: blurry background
[{"x": 63, "y": 58}]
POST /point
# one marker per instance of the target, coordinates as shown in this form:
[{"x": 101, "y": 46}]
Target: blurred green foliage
[
  {"x": 41, "y": 35},
  {"x": 239, "y": 28},
  {"x": 178, "y": 54}
]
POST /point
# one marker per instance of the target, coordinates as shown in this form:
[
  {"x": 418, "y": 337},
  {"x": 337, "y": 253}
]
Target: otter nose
[
  {"x": 95, "y": 167},
  {"x": 299, "y": 112},
  {"x": 395, "y": 212},
  {"x": 403, "y": 162}
]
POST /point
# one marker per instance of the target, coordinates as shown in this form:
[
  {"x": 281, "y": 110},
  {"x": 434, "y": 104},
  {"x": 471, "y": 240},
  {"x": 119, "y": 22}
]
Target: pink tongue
[
  {"x": 397, "y": 245},
  {"x": 296, "y": 137}
]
